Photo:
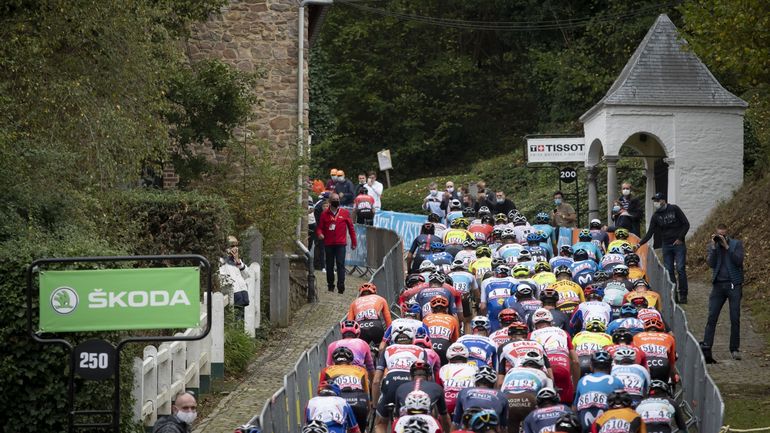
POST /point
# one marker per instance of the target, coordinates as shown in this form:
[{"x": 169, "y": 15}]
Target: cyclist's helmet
[
  {"x": 524, "y": 291},
  {"x": 549, "y": 294},
  {"x": 403, "y": 334},
  {"x": 580, "y": 254},
  {"x": 621, "y": 233},
  {"x": 436, "y": 277},
  {"x": 518, "y": 328},
  {"x": 596, "y": 325},
  {"x": 641, "y": 283},
  {"x": 468, "y": 415},
  {"x": 639, "y": 300},
  {"x": 601, "y": 358},
  {"x": 486, "y": 374},
  {"x": 542, "y": 267},
  {"x": 542, "y": 218},
  {"x": 428, "y": 229},
  {"x": 416, "y": 402},
  {"x": 632, "y": 259},
  {"x": 315, "y": 426},
  {"x": 487, "y": 219},
  {"x": 427, "y": 266},
  {"x": 524, "y": 256},
  {"x": 547, "y": 395},
  {"x": 654, "y": 324},
  {"x": 622, "y": 335},
  {"x": 455, "y": 224},
  {"x": 434, "y": 218},
  {"x": 483, "y": 210},
  {"x": 513, "y": 214},
  {"x": 328, "y": 389},
  {"x": 413, "y": 280},
  {"x": 562, "y": 270},
  {"x": 457, "y": 350},
  {"x": 497, "y": 261},
  {"x": 411, "y": 310},
  {"x": 628, "y": 310},
  {"x": 439, "y": 301},
  {"x": 624, "y": 355},
  {"x": 343, "y": 354},
  {"x": 367, "y": 288},
  {"x": 459, "y": 265},
  {"x": 509, "y": 233},
  {"x": 615, "y": 250},
  {"x": 469, "y": 212},
  {"x": 455, "y": 204},
  {"x": 437, "y": 246},
  {"x": 503, "y": 271},
  {"x": 416, "y": 425},
  {"x": 567, "y": 423},
  {"x": 483, "y": 251},
  {"x": 507, "y": 316},
  {"x": 658, "y": 387},
  {"x": 532, "y": 359},
  {"x": 484, "y": 421},
  {"x": 584, "y": 235},
  {"x": 595, "y": 224},
  {"x": 469, "y": 244},
  {"x": 619, "y": 398},
  {"x": 350, "y": 327},
  {"x": 480, "y": 322},
  {"x": 497, "y": 233},
  {"x": 461, "y": 223},
  {"x": 621, "y": 270},
  {"x": 542, "y": 315},
  {"x": 422, "y": 338},
  {"x": 533, "y": 238},
  {"x": 565, "y": 251},
  {"x": 420, "y": 366},
  {"x": 593, "y": 293},
  {"x": 500, "y": 217},
  {"x": 521, "y": 271},
  {"x": 601, "y": 275},
  {"x": 626, "y": 248},
  {"x": 519, "y": 220}
]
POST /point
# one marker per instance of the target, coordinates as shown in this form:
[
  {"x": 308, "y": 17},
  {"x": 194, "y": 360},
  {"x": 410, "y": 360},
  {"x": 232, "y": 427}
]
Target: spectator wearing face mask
[
  {"x": 450, "y": 193},
  {"x": 344, "y": 187},
  {"x": 563, "y": 214},
  {"x": 183, "y": 413},
  {"x": 628, "y": 210},
  {"x": 432, "y": 201},
  {"x": 332, "y": 180},
  {"x": 502, "y": 204},
  {"x": 333, "y": 229}
]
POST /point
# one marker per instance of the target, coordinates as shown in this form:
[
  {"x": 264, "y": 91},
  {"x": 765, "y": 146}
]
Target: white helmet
[
  {"x": 416, "y": 425},
  {"x": 427, "y": 266},
  {"x": 400, "y": 331},
  {"x": 417, "y": 401},
  {"x": 457, "y": 350},
  {"x": 541, "y": 315},
  {"x": 482, "y": 321},
  {"x": 532, "y": 357}
]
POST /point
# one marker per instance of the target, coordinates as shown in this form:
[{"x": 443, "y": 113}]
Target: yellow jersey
[{"x": 457, "y": 236}]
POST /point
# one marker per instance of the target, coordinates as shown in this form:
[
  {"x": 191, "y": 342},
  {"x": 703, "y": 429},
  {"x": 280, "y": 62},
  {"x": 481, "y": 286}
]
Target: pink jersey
[
  {"x": 557, "y": 344},
  {"x": 455, "y": 377},
  {"x": 433, "y": 359},
  {"x": 362, "y": 355}
]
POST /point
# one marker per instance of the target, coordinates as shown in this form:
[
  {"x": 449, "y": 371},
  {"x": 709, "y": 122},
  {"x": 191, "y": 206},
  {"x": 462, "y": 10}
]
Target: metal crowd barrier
[
  {"x": 699, "y": 395},
  {"x": 284, "y": 411}
]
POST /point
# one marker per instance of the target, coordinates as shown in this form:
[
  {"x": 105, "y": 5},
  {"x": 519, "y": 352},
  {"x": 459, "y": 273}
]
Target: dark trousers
[
  {"x": 335, "y": 254},
  {"x": 318, "y": 252},
  {"x": 721, "y": 292},
  {"x": 675, "y": 262}
]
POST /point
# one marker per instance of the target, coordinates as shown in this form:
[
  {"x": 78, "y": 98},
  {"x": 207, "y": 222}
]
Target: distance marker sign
[{"x": 94, "y": 360}]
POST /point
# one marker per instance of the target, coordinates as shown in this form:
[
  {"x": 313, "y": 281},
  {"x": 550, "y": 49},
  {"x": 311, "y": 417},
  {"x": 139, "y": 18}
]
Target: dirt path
[{"x": 277, "y": 357}]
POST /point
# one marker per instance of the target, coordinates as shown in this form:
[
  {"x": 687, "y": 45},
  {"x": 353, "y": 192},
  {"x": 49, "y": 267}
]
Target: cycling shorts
[
  {"x": 519, "y": 406},
  {"x": 390, "y": 384},
  {"x": 359, "y": 402},
  {"x": 562, "y": 379},
  {"x": 371, "y": 331},
  {"x": 467, "y": 311}
]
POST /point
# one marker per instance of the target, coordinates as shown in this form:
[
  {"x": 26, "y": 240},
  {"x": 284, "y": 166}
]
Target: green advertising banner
[{"x": 112, "y": 299}]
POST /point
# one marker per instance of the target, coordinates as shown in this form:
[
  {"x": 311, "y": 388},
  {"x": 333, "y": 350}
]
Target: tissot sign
[
  {"x": 564, "y": 149},
  {"x": 111, "y": 299}
]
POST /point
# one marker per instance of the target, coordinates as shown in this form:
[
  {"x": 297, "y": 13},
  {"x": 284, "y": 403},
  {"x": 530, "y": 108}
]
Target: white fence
[{"x": 177, "y": 366}]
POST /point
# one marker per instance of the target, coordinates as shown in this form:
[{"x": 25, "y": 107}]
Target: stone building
[{"x": 668, "y": 106}]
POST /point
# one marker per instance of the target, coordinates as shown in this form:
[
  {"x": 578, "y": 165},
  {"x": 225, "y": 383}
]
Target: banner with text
[
  {"x": 564, "y": 149},
  {"x": 407, "y": 225},
  {"x": 113, "y": 299}
]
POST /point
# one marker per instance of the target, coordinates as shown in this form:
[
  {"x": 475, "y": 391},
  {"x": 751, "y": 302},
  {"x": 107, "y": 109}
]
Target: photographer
[
  {"x": 725, "y": 258},
  {"x": 234, "y": 273}
]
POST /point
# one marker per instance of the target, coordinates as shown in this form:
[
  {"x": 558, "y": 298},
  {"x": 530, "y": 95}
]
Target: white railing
[{"x": 177, "y": 366}]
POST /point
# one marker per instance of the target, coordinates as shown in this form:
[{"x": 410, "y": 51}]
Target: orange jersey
[
  {"x": 442, "y": 326},
  {"x": 623, "y": 420},
  {"x": 653, "y": 298},
  {"x": 348, "y": 377},
  {"x": 660, "y": 348},
  {"x": 368, "y": 308}
]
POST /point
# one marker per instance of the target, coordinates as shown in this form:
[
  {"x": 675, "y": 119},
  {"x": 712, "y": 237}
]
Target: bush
[{"x": 239, "y": 346}]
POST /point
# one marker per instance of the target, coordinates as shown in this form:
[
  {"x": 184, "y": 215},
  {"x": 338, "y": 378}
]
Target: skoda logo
[{"x": 64, "y": 300}]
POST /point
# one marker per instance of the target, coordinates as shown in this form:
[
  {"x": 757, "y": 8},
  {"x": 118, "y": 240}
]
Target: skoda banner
[
  {"x": 563, "y": 149},
  {"x": 112, "y": 299}
]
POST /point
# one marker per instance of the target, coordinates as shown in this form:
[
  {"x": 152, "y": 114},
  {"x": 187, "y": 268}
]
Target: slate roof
[{"x": 663, "y": 71}]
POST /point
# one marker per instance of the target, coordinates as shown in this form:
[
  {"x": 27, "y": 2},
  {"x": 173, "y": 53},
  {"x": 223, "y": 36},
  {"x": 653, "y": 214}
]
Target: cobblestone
[{"x": 277, "y": 357}]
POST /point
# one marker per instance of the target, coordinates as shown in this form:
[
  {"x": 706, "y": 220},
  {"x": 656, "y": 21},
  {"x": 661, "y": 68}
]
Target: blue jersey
[
  {"x": 594, "y": 253},
  {"x": 631, "y": 323},
  {"x": 520, "y": 380},
  {"x": 550, "y": 233},
  {"x": 538, "y": 251},
  {"x": 495, "y": 291},
  {"x": 463, "y": 281},
  {"x": 600, "y": 238},
  {"x": 583, "y": 272},
  {"x": 591, "y": 397},
  {"x": 425, "y": 295},
  {"x": 548, "y": 247},
  {"x": 561, "y": 261},
  {"x": 544, "y": 419},
  {"x": 481, "y": 397},
  {"x": 481, "y": 349},
  {"x": 441, "y": 258},
  {"x": 635, "y": 378}
]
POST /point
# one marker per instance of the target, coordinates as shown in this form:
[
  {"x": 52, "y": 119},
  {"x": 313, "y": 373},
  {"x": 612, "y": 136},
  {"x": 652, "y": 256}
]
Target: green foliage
[{"x": 239, "y": 346}]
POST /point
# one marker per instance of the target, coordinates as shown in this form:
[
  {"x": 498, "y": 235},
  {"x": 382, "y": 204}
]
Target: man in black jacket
[
  {"x": 669, "y": 226},
  {"x": 725, "y": 258},
  {"x": 502, "y": 204},
  {"x": 183, "y": 413}
]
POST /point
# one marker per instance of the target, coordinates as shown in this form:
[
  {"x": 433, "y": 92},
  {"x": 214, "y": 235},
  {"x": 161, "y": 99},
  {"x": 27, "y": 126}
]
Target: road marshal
[{"x": 114, "y": 299}]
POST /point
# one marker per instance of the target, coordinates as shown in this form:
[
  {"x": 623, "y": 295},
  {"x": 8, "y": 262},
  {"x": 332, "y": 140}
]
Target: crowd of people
[{"x": 502, "y": 329}]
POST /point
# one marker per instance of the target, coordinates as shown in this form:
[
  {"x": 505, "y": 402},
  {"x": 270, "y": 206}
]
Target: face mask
[
  {"x": 433, "y": 192},
  {"x": 626, "y": 192},
  {"x": 557, "y": 201},
  {"x": 187, "y": 417},
  {"x": 341, "y": 178},
  {"x": 656, "y": 205},
  {"x": 335, "y": 203},
  {"x": 501, "y": 200},
  {"x": 616, "y": 208},
  {"x": 450, "y": 189},
  {"x": 361, "y": 182}
]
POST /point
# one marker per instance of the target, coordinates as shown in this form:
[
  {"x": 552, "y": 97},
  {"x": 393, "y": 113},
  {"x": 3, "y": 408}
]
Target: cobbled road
[{"x": 278, "y": 355}]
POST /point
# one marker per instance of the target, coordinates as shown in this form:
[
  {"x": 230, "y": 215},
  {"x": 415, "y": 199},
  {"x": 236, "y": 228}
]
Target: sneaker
[{"x": 736, "y": 355}]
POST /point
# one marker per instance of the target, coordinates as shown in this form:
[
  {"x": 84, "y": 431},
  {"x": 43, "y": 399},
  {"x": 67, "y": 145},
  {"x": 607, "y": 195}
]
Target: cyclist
[
  {"x": 564, "y": 258},
  {"x": 599, "y": 237},
  {"x": 543, "y": 275},
  {"x": 416, "y": 412},
  {"x": 482, "y": 228},
  {"x": 570, "y": 292},
  {"x": 521, "y": 385},
  {"x": 585, "y": 242},
  {"x": 494, "y": 292},
  {"x": 621, "y": 238},
  {"x": 600, "y": 278},
  {"x": 538, "y": 252},
  {"x": 646, "y": 313},
  {"x": 420, "y": 374},
  {"x": 352, "y": 380},
  {"x": 590, "y": 341},
  {"x": 593, "y": 389},
  {"x": 315, "y": 427},
  {"x": 443, "y": 328},
  {"x": 438, "y": 227},
  {"x": 542, "y": 220},
  {"x": 509, "y": 250},
  {"x": 592, "y": 308},
  {"x": 521, "y": 227},
  {"x": 332, "y": 410},
  {"x": 410, "y": 319},
  {"x": 465, "y": 283},
  {"x": 525, "y": 298},
  {"x": 613, "y": 258},
  {"x": 549, "y": 298},
  {"x": 659, "y": 411},
  {"x": 635, "y": 271},
  {"x": 482, "y": 264},
  {"x": 506, "y": 317},
  {"x": 456, "y": 235},
  {"x": 437, "y": 287},
  {"x": 511, "y": 354},
  {"x": 567, "y": 423},
  {"x": 548, "y": 410},
  {"x": 481, "y": 348},
  {"x": 614, "y": 293},
  {"x": 468, "y": 254},
  {"x": 426, "y": 268},
  {"x": 422, "y": 339},
  {"x": 481, "y": 395},
  {"x": 455, "y": 211},
  {"x": 622, "y": 338},
  {"x": 457, "y": 375},
  {"x": 641, "y": 288},
  {"x": 628, "y": 320},
  {"x": 525, "y": 258},
  {"x": 560, "y": 351},
  {"x": 421, "y": 246},
  {"x": 485, "y": 421},
  {"x": 440, "y": 257},
  {"x": 583, "y": 268},
  {"x": 660, "y": 349},
  {"x": 620, "y": 417},
  {"x": 362, "y": 354},
  {"x": 371, "y": 312},
  {"x": 620, "y": 274},
  {"x": 635, "y": 378}
]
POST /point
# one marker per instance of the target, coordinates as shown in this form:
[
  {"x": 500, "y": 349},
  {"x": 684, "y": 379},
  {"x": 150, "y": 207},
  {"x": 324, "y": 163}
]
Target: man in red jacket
[{"x": 333, "y": 229}]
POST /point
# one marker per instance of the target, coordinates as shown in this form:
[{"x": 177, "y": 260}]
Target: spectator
[
  {"x": 669, "y": 225},
  {"x": 344, "y": 187},
  {"x": 332, "y": 180},
  {"x": 620, "y": 217},
  {"x": 563, "y": 214},
  {"x": 467, "y": 200},
  {"x": 432, "y": 201},
  {"x": 501, "y": 204},
  {"x": 449, "y": 194},
  {"x": 374, "y": 189},
  {"x": 333, "y": 229},
  {"x": 363, "y": 207},
  {"x": 183, "y": 413},
  {"x": 725, "y": 258},
  {"x": 631, "y": 209},
  {"x": 235, "y": 273},
  {"x": 319, "y": 256},
  {"x": 483, "y": 195}
]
